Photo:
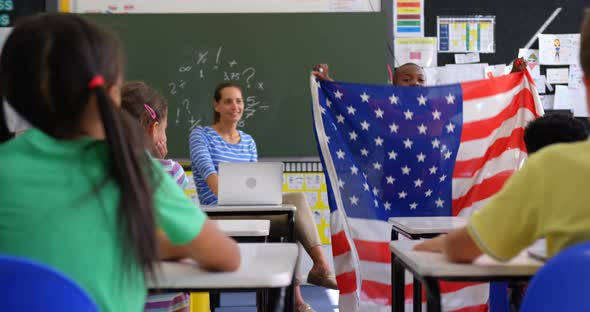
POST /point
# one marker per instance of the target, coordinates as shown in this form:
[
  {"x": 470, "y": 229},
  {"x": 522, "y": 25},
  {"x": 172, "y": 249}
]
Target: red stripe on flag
[
  {"x": 408, "y": 17},
  {"x": 408, "y": 4},
  {"x": 483, "y": 128},
  {"x": 373, "y": 251},
  {"x": 485, "y": 88},
  {"x": 467, "y": 168},
  {"x": 346, "y": 282},
  {"x": 485, "y": 189},
  {"x": 376, "y": 292},
  {"x": 445, "y": 287},
  {"x": 339, "y": 244},
  {"x": 475, "y": 308}
]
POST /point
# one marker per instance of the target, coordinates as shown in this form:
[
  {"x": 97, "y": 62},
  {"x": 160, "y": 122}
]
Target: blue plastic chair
[
  {"x": 562, "y": 284},
  {"x": 26, "y": 285}
]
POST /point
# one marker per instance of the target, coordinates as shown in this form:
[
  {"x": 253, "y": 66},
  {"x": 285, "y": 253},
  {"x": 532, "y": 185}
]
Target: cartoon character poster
[{"x": 563, "y": 49}]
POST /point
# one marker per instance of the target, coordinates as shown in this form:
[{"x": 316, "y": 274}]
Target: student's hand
[
  {"x": 160, "y": 150},
  {"x": 431, "y": 245},
  {"x": 519, "y": 65},
  {"x": 321, "y": 71}
]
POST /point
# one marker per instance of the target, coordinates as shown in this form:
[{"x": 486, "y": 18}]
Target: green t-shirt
[
  {"x": 58, "y": 207},
  {"x": 547, "y": 198}
]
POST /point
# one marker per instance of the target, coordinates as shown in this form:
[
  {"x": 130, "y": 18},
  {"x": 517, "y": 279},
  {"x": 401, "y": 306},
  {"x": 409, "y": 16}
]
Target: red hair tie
[{"x": 96, "y": 81}]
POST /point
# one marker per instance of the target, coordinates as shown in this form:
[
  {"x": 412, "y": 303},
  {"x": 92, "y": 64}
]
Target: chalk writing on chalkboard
[{"x": 210, "y": 66}]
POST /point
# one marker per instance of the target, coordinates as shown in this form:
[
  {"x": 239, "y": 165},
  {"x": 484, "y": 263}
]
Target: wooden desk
[
  {"x": 264, "y": 266},
  {"x": 288, "y": 210},
  {"x": 430, "y": 268}
]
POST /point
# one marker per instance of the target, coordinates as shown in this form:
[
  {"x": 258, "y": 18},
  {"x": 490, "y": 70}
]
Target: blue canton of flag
[{"x": 393, "y": 147}]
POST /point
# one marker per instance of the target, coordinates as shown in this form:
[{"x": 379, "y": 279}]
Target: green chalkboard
[{"x": 185, "y": 56}]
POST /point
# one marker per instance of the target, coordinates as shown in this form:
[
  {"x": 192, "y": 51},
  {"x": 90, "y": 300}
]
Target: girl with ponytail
[{"x": 80, "y": 193}]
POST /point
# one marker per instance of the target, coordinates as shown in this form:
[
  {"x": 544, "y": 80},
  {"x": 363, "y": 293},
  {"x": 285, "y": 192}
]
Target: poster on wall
[
  {"x": 531, "y": 56},
  {"x": 408, "y": 18},
  {"x": 421, "y": 51},
  {"x": 466, "y": 34},
  {"x": 563, "y": 49}
]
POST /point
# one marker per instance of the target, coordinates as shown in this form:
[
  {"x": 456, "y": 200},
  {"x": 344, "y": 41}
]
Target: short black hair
[{"x": 551, "y": 129}]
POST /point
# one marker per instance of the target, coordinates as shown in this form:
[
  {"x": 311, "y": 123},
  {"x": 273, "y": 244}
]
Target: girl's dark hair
[
  {"x": 144, "y": 103},
  {"x": 45, "y": 69},
  {"x": 217, "y": 96}
]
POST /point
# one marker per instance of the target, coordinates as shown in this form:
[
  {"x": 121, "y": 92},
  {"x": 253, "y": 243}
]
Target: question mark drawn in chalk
[{"x": 252, "y": 72}]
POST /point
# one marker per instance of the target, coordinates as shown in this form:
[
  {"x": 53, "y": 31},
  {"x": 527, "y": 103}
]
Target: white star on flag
[
  {"x": 340, "y": 119},
  {"x": 393, "y": 99},
  {"x": 406, "y": 170},
  {"x": 392, "y": 155},
  {"x": 340, "y": 183},
  {"x": 450, "y": 127},
  {"x": 328, "y": 103},
  {"x": 353, "y": 135},
  {"x": 365, "y": 125},
  {"x": 387, "y": 205},
  {"x": 393, "y": 127},
  {"x": 443, "y": 178},
  {"x": 433, "y": 169},
  {"x": 421, "y": 157},
  {"x": 422, "y": 129},
  {"x": 354, "y": 170},
  {"x": 435, "y": 143},
  {"x": 366, "y": 186},
  {"x": 338, "y": 94},
  {"x": 408, "y": 115},
  {"x": 436, "y": 114},
  {"x": 450, "y": 99},
  {"x": 448, "y": 155},
  {"x": 379, "y": 113},
  {"x": 376, "y": 166},
  {"x": 378, "y": 141},
  {"x": 354, "y": 200},
  {"x": 365, "y": 97},
  {"x": 422, "y": 100},
  {"x": 351, "y": 110},
  {"x": 364, "y": 152},
  {"x": 390, "y": 179},
  {"x": 414, "y": 205},
  {"x": 340, "y": 154},
  {"x": 375, "y": 191},
  {"x": 428, "y": 193},
  {"x": 418, "y": 183},
  {"x": 439, "y": 202},
  {"x": 402, "y": 194},
  {"x": 408, "y": 143}
]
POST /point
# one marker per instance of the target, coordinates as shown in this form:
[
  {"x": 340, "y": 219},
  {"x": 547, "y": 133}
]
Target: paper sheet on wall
[
  {"x": 466, "y": 34},
  {"x": 572, "y": 99},
  {"x": 557, "y": 75},
  {"x": 492, "y": 71},
  {"x": 466, "y": 58},
  {"x": 576, "y": 76},
  {"x": 421, "y": 51},
  {"x": 547, "y": 101},
  {"x": 532, "y": 58},
  {"x": 540, "y": 84},
  {"x": 346, "y": 5},
  {"x": 408, "y": 18},
  {"x": 454, "y": 73},
  {"x": 563, "y": 49}
]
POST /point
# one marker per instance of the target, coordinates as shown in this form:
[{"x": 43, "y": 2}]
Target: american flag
[{"x": 393, "y": 151}]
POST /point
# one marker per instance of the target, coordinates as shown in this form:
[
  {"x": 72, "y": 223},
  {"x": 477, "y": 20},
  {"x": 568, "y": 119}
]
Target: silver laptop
[{"x": 250, "y": 183}]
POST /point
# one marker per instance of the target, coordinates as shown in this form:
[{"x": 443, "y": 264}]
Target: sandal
[{"x": 325, "y": 279}]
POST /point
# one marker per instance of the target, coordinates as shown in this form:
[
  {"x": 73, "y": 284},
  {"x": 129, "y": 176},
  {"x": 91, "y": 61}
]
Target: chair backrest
[
  {"x": 26, "y": 285},
  {"x": 562, "y": 284}
]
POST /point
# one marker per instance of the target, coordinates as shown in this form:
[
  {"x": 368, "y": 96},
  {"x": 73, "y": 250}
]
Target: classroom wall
[{"x": 222, "y": 6}]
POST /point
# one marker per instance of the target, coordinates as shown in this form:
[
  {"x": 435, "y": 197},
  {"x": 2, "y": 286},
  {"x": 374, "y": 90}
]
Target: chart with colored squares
[
  {"x": 408, "y": 18},
  {"x": 466, "y": 34}
]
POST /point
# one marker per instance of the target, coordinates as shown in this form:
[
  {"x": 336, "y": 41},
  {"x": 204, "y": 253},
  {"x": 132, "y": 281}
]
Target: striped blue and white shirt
[{"x": 208, "y": 149}]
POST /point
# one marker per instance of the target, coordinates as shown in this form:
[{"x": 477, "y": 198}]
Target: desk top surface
[
  {"x": 263, "y": 265},
  {"x": 253, "y": 208},
  {"x": 239, "y": 228},
  {"x": 427, "y": 225},
  {"x": 436, "y": 265}
]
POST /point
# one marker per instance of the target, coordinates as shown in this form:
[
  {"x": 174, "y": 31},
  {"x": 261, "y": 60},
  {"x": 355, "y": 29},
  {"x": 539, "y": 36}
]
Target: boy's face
[{"x": 410, "y": 76}]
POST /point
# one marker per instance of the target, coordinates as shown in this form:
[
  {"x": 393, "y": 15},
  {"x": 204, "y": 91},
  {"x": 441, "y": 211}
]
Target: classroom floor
[{"x": 321, "y": 299}]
